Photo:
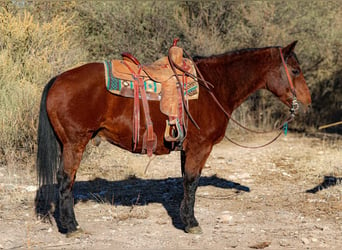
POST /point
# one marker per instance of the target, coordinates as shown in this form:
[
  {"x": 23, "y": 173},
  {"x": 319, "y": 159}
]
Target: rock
[
  {"x": 31, "y": 188},
  {"x": 305, "y": 241},
  {"x": 226, "y": 218},
  {"x": 261, "y": 245}
]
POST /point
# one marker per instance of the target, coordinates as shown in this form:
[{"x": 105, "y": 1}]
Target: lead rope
[{"x": 284, "y": 129}]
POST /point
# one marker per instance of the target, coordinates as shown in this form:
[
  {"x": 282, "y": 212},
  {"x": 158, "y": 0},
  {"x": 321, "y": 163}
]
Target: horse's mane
[
  {"x": 231, "y": 53},
  {"x": 237, "y": 52}
]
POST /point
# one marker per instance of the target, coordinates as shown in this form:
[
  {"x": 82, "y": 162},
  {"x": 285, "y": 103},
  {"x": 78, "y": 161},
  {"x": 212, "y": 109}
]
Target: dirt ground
[{"x": 247, "y": 199}]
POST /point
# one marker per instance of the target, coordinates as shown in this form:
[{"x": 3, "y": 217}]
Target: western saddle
[{"x": 170, "y": 80}]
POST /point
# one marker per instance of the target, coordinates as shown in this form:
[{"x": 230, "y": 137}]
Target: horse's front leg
[{"x": 192, "y": 161}]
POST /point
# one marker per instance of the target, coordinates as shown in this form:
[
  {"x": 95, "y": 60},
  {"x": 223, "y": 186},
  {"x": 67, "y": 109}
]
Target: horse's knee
[{"x": 190, "y": 185}]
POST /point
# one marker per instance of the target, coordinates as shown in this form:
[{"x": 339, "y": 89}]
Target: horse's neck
[{"x": 235, "y": 77}]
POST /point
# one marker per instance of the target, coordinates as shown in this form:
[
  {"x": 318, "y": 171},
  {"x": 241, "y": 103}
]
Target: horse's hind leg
[
  {"x": 192, "y": 161},
  {"x": 72, "y": 155}
]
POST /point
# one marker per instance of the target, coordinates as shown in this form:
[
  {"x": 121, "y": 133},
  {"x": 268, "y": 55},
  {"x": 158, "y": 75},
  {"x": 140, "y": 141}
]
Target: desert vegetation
[{"x": 40, "y": 39}]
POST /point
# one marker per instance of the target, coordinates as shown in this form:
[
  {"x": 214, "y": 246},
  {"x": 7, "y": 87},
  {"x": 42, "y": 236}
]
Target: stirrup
[{"x": 176, "y": 131}]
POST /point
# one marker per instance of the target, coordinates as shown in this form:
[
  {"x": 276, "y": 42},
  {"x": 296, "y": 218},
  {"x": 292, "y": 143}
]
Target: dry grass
[{"x": 30, "y": 54}]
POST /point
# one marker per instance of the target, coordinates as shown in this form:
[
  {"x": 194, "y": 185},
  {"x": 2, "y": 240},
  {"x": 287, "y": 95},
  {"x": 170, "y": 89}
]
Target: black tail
[{"x": 48, "y": 155}]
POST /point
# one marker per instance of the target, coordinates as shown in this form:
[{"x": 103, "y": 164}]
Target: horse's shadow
[
  {"x": 327, "y": 182},
  {"x": 133, "y": 191}
]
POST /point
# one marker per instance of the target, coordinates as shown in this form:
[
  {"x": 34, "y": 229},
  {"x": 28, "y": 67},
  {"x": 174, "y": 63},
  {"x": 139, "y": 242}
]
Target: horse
[{"x": 76, "y": 106}]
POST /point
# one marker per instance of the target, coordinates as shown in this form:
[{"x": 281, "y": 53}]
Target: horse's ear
[{"x": 289, "y": 49}]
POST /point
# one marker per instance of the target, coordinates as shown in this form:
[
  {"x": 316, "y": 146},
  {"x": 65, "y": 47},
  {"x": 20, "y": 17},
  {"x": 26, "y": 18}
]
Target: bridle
[
  {"x": 284, "y": 126},
  {"x": 295, "y": 104},
  {"x": 208, "y": 86}
]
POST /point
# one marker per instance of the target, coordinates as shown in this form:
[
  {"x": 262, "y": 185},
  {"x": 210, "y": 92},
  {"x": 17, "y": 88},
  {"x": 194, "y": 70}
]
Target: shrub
[
  {"x": 30, "y": 54},
  {"x": 213, "y": 27}
]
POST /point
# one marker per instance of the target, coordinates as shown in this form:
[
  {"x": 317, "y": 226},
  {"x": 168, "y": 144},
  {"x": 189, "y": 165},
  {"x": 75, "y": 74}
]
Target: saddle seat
[
  {"x": 159, "y": 79},
  {"x": 159, "y": 71}
]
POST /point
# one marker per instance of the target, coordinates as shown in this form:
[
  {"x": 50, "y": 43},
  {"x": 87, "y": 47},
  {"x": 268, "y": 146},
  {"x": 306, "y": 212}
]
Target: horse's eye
[{"x": 295, "y": 72}]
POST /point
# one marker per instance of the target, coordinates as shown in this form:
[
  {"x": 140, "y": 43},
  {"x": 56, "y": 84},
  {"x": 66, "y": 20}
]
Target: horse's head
[{"x": 286, "y": 81}]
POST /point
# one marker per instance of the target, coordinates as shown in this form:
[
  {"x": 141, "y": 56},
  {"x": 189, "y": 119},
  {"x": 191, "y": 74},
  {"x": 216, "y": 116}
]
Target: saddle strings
[{"x": 173, "y": 67}]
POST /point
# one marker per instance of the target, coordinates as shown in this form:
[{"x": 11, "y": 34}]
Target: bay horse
[{"x": 76, "y": 106}]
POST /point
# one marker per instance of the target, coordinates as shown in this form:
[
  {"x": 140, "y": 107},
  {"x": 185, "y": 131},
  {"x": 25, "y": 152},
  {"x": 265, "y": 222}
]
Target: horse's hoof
[
  {"x": 194, "y": 230},
  {"x": 75, "y": 233}
]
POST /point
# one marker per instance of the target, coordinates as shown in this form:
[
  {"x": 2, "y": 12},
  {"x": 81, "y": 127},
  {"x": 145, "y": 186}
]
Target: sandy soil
[{"x": 246, "y": 199}]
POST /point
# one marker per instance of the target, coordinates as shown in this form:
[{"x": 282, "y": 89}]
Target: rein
[
  {"x": 284, "y": 125},
  {"x": 208, "y": 86}
]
